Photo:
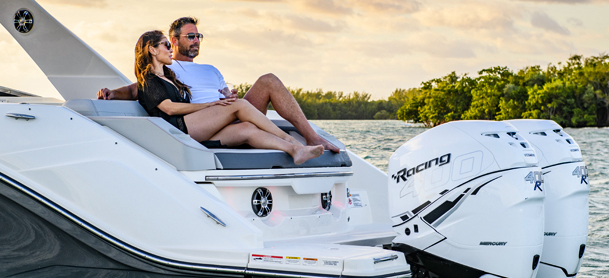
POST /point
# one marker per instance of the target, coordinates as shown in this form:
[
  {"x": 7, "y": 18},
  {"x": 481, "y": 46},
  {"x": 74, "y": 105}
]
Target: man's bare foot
[
  {"x": 304, "y": 153},
  {"x": 321, "y": 141}
]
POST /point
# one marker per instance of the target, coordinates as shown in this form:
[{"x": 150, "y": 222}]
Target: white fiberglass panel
[{"x": 119, "y": 187}]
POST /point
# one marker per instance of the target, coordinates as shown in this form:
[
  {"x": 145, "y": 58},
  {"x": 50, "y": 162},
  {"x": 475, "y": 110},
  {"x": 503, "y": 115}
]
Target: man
[{"x": 205, "y": 80}]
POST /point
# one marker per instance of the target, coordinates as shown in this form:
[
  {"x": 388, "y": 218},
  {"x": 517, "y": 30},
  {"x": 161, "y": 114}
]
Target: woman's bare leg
[
  {"x": 245, "y": 132},
  {"x": 204, "y": 123}
]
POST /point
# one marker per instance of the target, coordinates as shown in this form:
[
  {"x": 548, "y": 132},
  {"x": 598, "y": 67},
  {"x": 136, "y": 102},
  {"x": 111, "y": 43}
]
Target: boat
[{"x": 98, "y": 188}]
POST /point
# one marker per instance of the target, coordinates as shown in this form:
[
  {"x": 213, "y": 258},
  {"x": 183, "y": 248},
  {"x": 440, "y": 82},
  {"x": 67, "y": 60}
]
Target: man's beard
[{"x": 187, "y": 51}]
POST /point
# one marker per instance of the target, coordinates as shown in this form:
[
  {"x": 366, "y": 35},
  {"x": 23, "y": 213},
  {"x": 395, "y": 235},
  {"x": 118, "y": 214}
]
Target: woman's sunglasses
[
  {"x": 166, "y": 43},
  {"x": 191, "y": 36}
]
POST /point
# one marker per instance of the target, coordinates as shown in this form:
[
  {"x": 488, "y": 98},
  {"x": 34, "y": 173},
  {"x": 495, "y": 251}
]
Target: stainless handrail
[
  {"x": 18, "y": 116},
  {"x": 385, "y": 259},
  {"x": 213, "y": 217}
]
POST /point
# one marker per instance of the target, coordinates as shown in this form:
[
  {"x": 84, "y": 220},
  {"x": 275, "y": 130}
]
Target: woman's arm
[{"x": 178, "y": 108}]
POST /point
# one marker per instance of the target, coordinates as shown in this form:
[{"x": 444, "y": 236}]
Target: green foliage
[
  {"x": 574, "y": 94},
  {"x": 242, "y": 89},
  {"x": 382, "y": 115},
  {"x": 487, "y": 93},
  {"x": 439, "y": 100},
  {"x": 318, "y": 104}
]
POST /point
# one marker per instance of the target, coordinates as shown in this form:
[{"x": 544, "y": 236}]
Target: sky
[{"x": 371, "y": 46}]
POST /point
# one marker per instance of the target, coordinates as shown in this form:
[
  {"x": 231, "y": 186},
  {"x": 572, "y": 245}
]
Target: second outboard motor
[
  {"x": 566, "y": 203},
  {"x": 466, "y": 199}
]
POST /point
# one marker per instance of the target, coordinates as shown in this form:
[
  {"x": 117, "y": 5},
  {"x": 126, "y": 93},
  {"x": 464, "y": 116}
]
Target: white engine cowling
[
  {"x": 566, "y": 202},
  {"x": 466, "y": 200}
]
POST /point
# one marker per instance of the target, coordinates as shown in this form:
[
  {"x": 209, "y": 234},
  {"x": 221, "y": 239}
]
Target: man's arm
[{"x": 128, "y": 92}]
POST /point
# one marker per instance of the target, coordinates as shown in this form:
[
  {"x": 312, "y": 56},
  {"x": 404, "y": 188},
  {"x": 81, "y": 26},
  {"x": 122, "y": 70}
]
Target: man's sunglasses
[
  {"x": 191, "y": 36},
  {"x": 166, "y": 43}
]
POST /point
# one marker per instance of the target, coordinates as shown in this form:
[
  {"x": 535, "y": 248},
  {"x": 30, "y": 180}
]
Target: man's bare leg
[{"x": 268, "y": 88}]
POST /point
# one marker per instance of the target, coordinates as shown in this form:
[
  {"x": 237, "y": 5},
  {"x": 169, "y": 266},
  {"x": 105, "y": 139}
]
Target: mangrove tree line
[{"x": 574, "y": 94}]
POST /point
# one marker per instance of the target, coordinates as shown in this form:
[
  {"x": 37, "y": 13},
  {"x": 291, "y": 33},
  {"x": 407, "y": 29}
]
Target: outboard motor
[
  {"x": 466, "y": 199},
  {"x": 566, "y": 203}
]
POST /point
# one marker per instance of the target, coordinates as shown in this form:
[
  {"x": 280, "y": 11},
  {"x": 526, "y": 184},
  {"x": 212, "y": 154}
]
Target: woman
[{"x": 163, "y": 95}]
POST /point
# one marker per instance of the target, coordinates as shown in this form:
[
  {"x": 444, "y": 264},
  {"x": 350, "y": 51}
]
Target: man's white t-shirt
[{"x": 204, "y": 80}]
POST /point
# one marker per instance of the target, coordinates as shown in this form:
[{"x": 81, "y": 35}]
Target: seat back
[
  {"x": 163, "y": 140},
  {"x": 129, "y": 119},
  {"x": 98, "y": 107}
]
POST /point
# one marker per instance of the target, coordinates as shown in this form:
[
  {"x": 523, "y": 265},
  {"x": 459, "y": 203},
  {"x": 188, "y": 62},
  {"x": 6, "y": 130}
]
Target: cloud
[
  {"x": 331, "y": 7},
  {"x": 387, "y": 6},
  {"x": 433, "y": 44},
  {"x": 249, "y": 13},
  {"x": 380, "y": 49},
  {"x": 470, "y": 16},
  {"x": 560, "y": 1},
  {"x": 287, "y": 22},
  {"x": 390, "y": 25},
  {"x": 575, "y": 22},
  {"x": 543, "y": 21},
  {"x": 308, "y": 24},
  {"x": 350, "y": 7},
  {"x": 262, "y": 40},
  {"x": 80, "y": 3},
  {"x": 446, "y": 48},
  {"x": 107, "y": 32}
]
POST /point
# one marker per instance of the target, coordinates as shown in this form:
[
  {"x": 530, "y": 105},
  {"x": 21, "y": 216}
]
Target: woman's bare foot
[
  {"x": 293, "y": 140},
  {"x": 321, "y": 141},
  {"x": 304, "y": 153}
]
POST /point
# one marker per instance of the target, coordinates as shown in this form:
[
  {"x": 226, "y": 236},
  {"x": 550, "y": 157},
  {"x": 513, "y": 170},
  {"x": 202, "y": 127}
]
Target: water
[{"x": 375, "y": 141}]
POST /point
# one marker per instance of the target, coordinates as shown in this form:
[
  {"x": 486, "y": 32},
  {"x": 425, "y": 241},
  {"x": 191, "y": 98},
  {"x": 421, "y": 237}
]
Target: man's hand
[
  {"x": 128, "y": 92},
  {"x": 229, "y": 94},
  {"x": 105, "y": 93}
]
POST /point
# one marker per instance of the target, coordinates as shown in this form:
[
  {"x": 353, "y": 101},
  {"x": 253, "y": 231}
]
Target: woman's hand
[{"x": 225, "y": 102}]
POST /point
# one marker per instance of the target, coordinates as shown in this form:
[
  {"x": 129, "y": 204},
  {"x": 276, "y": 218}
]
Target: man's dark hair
[{"x": 176, "y": 27}]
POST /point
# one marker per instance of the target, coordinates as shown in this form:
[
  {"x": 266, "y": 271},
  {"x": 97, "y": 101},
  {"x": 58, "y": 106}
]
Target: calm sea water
[{"x": 375, "y": 141}]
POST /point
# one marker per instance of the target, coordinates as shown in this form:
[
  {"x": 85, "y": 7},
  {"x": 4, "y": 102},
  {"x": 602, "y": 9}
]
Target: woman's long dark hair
[{"x": 143, "y": 61}]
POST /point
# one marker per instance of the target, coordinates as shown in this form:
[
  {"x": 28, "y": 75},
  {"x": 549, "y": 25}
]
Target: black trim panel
[
  {"x": 490, "y": 173},
  {"x": 435, "y": 243},
  {"x": 479, "y": 187},
  {"x": 562, "y": 163},
  {"x": 281, "y": 273},
  {"x": 275, "y": 273},
  {"x": 382, "y": 276},
  {"x": 437, "y": 265},
  {"x": 421, "y": 207},
  {"x": 561, "y": 268},
  {"x": 441, "y": 210}
]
